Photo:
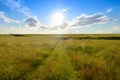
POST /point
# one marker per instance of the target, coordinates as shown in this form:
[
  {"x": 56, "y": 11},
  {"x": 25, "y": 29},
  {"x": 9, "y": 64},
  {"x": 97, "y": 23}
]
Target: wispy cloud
[
  {"x": 18, "y": 5},
  {"x": 87, "y": 20},
  {"x": 6, "y": 19},
  {"x": 109, "y": 10},
  {"x": 66, "y": 9}
]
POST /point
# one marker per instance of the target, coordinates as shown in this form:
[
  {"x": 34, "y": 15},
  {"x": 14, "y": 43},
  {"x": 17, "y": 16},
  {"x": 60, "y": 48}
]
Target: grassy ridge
[{"x": 59, "y": 57}]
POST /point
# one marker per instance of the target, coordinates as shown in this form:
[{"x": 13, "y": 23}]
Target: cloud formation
[
  {"x": 66, "y": 9},
  {"x": 32, "y": 22},
  {"x": 87, "y": 20},
  {"x": 17, "y": 5},
  {"x": 6, "y": 19},
  {"x": 80, "y": 21},
  {"x": 109, "y": 10},
  {"x": 63, "y": 25}
]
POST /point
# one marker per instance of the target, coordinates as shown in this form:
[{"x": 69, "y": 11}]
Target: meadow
[{"x": 60, "y": 57}]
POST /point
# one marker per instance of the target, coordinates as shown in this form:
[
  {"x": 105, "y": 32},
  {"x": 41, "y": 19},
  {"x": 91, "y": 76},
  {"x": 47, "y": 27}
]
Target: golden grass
[{"x": 54, "y": 57}]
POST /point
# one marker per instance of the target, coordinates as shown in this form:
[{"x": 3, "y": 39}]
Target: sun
[{"x": 57, "y": 18}]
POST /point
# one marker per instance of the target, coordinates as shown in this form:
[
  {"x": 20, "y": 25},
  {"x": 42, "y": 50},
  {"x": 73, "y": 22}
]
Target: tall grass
[
  {"x": 67, "y": 57},
  {"x": 95, "y": 59}
]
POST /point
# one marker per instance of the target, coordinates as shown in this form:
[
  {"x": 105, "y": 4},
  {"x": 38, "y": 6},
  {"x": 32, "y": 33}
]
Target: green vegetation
[{"x": 59, "y": 57}]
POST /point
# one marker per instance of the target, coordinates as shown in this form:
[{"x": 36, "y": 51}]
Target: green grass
[{"x": 60, "y": 57}]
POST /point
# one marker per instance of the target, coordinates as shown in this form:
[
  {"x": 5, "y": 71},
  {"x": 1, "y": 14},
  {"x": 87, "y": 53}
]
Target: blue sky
[{"x": 59, "y": 16}]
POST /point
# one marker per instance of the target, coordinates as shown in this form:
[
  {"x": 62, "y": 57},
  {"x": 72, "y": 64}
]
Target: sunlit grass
[{"x": 68, "y": 57}]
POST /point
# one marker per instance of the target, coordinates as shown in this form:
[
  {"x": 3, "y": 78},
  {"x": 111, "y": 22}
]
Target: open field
[{"x": 60, "y": 57}]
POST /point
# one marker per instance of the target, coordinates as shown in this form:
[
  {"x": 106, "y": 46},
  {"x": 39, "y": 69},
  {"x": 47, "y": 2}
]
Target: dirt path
[{"x": 56, "y": 67}]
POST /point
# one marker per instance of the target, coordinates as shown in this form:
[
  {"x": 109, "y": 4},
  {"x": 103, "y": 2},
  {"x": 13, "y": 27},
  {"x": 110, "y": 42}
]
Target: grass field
[{"x": 60, "y": 57}]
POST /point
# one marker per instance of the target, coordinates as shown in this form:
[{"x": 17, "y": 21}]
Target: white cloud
[
  {"x": 6, "y": 19},
  {"x": 65, "y": 9},
  {"x": 80, "y": 21},
  {"x": 109, "y": 10},
  {"x": 62, "y": 26},
  {"x": 18, "y": 5},
  {"x": 87, "y": 20},
  {"x": 32, "y": 22}
]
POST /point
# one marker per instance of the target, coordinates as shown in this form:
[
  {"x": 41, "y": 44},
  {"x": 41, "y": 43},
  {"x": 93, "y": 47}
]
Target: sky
[{"x": 59, "y": 16}]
